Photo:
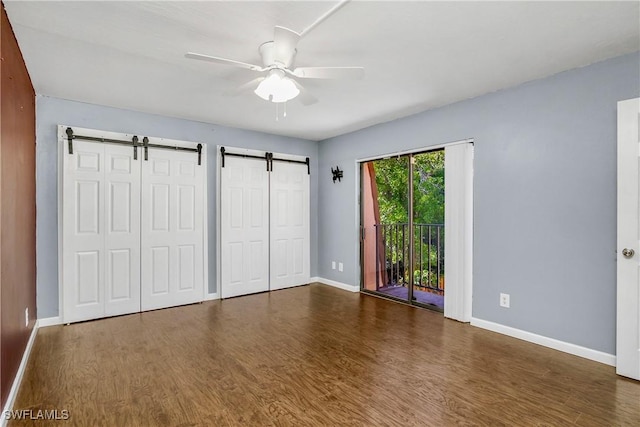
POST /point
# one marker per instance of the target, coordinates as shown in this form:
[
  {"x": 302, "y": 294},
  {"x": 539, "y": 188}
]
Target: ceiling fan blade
[
  {"x": 251, "y": 85},
  {"x": 353, "y": 73},
  {"x": 284, "y": 43},
  {"x": 305, "y": 97},
  {"x": 224, "y": 61}
]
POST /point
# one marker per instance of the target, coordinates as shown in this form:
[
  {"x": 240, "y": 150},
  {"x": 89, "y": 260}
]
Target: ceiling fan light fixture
[{"x": 277, "y": 87}]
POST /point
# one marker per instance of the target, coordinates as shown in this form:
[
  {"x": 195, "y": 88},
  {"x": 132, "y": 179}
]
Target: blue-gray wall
[
  {"x": 544, "y": 197},
  {"x": 544, "y": 192},
  {"x": 51, "y": 112}
]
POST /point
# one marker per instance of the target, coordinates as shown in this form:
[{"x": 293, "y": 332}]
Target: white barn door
[
  {"x": 244, "y": 226},
  {"x": 172, "y": 229},
  {"x": 264, "y": 223},
  {"x": 290, "y": 246},
  {"x": 101, "y": 232},
  {"x": 133, "y": 230},
  {"x": 122, "y": 225}
]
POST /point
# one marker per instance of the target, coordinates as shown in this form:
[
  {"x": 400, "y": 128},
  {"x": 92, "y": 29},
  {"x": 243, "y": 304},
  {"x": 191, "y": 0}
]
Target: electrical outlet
[
  {"x": 333, "y": 265},
  {"x": 340, "y": 266},
  {"x": 504, "y": 300},
  {"x": 26, "y": 317}
]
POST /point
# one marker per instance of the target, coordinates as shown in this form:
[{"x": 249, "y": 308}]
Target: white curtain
[{"x": 458, "y": 230}]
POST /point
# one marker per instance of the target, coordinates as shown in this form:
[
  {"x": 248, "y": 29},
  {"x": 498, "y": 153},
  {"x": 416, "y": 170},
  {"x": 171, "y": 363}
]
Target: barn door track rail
[
  {"x": 134, "y": 143},
  {"x": 223, "y": 153},
  {"x": 268, "y": 158}
]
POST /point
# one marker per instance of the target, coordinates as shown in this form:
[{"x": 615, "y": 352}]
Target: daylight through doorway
[{"x": 402, "y": 220}]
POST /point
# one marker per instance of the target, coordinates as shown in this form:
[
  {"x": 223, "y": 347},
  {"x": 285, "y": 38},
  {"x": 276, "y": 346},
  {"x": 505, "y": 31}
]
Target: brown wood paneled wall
[{"x": 17, "y": 207}]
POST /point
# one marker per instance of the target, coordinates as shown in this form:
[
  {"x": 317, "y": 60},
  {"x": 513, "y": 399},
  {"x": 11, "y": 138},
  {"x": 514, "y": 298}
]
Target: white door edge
[{"x": 628, "y": 214}]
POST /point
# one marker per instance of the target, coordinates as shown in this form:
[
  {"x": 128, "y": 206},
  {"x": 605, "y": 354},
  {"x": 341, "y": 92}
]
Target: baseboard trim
[
  {"x": 339, "y": 285},
  {"x": 49, "y": 321},
  {"x": 19, "y": 374},
  {"x": 576, "y": 350}
]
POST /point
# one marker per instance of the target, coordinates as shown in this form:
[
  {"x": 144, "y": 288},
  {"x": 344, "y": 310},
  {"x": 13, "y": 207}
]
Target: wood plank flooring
[{"x": 312, "y": 356}]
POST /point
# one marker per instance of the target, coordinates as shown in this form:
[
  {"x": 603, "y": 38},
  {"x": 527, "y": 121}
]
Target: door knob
[{"x": 628, "y": 253}]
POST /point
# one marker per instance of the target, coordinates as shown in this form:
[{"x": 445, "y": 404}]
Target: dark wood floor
[{"x": 312, "y": 355}]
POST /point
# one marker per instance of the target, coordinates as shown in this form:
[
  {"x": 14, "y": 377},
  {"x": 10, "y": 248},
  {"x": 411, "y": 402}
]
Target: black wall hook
[{"x": 337, "y": 174}]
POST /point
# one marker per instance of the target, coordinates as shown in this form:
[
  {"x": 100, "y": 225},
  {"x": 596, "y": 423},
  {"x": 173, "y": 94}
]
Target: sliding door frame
[{"x": 359, "y": 214}]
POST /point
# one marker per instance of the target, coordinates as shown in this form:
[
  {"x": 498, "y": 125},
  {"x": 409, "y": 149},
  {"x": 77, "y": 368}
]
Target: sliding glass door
[
  {"x": 402, "y": 223},
  {"x": 428, "y": 228},
  {"x": 385, "y": 226}
]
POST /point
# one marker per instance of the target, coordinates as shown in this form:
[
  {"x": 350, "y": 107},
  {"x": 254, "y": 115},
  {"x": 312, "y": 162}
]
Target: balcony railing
[{"x": 428, "y": 256}]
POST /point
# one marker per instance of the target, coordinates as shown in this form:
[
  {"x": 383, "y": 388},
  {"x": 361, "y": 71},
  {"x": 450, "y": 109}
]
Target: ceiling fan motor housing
[{"x": 268, "y": 53}]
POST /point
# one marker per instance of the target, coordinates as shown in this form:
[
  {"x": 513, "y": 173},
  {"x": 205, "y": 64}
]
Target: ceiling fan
[{"x": 279, "y": 82}]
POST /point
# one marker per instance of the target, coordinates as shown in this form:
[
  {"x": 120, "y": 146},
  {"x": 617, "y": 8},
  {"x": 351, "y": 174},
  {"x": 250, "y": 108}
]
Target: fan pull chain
[{"x": 284, "y": 110}]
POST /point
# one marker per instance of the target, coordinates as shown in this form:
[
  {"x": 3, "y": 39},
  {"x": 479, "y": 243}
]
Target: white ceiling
[{"x": 417, "y": 55}]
